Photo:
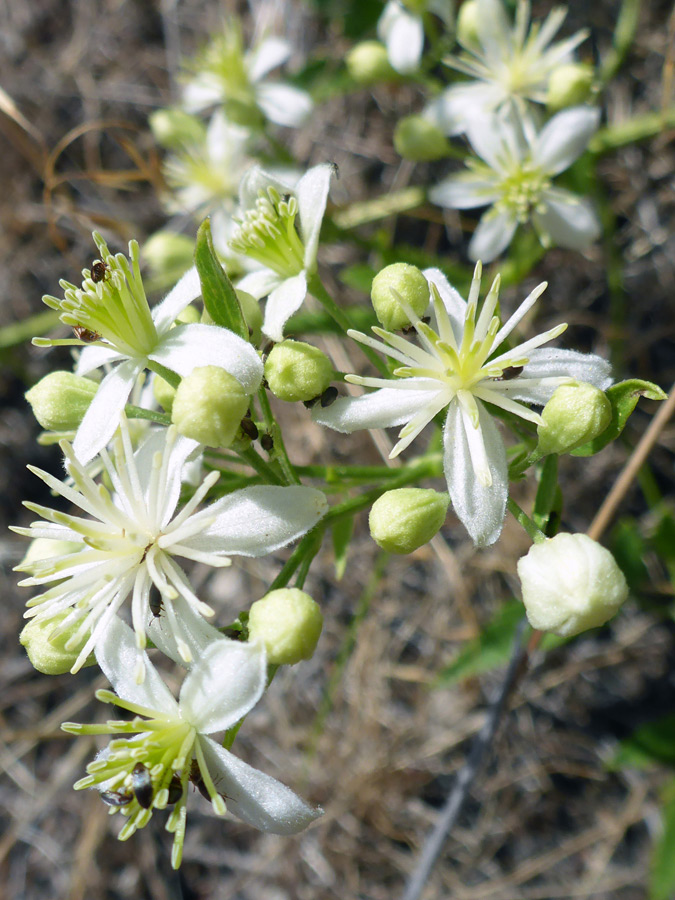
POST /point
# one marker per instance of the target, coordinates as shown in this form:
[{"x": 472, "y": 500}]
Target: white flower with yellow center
[
  {"x": 110, "y": 311},
  {"x": 459, "y": 367},
  {"x": 132, "y": 535},
  {"x": 171, "y": 748},
  {"x": 279, "y": 229},
  {"x": 401, "y": 29},
  {"x": 510, "y": 64},
  {"x": 514, "y": 175}
]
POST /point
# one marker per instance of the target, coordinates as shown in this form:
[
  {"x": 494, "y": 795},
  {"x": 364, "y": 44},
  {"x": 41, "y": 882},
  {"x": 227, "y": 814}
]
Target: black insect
[
  {"x": 267, "y": 442},
  {"x": 155, "y": 602},
  {"x": 329, "y": 396},
  {"x": 408, "y": 329},
  {"x": 99, "y": 271},
  {"x": 175, "y": 790},
  {"x": 509, "y": 373},
  {"x": 85, "y": 334},
  {"x": 142, "y": 785},
  {"x": 249, "y": 428},
  {"x": 118, "y": 799}
]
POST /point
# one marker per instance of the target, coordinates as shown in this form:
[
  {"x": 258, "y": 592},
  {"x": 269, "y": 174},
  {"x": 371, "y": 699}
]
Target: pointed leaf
[
  {"x": 342, "y": 533},
  {"x": 623, "y": 397},
  {"x": 220, "y": 298}
]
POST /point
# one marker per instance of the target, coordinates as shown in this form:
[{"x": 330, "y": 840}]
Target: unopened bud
[
  {"x": 404, "y": 519},
  {"x": 60, "y": 400},
  {"x": 399, "y": 281},
  {"x": 575, "y": 414},
  {"x": 46, "y": 648},
  {"x": 468, "y": 18},
  {"x": 570, "y": 583},
  {"x": 419, "y": 139},
  {"x": 164, "y": 393},
  {"x": 168, "y": 255},
  {"x": 209, "y": 405},
  {"x": 288, "y": 622},
  {"x": 46, "y": 548},
  {"x": 368, "y": 63},
  {"x": 569, "y": 85},
  {"x": 297, "y": 371},
  {"x": 252, "y": 313},
  {"x": 174, "y": 128}
]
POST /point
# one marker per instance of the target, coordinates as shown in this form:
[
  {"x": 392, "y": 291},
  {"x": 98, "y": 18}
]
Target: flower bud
[
  {"x": 575, "y": 414},
  {"x": 404, "y": 519},
  {"x": 467, "y": 24},
  {"x": 169, "y": 255},
  {"x": 47, "y": 651},
  {"x": 398, "y": 281},
  {"x": 209, "y": 405},
  {"x": 174, "y": 128},
  {"x": 252, "y": 313},
  {"x": 368, "y": 62},
  {"x": 569, "y": 85},
  {"x": 163, "y": 392},
  {"x": 289, "y": 624},
  {"x": 60, "y": 400},
  {"x": 419, "y": 139},
  {"x": 570, "y": 583},
  {"x": 45, "y": 548},
  {"x": 297, "y": 371}
]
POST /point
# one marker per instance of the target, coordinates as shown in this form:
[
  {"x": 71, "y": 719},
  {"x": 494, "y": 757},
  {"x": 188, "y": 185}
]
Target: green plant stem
[
  {"x": 268, "y": 472},
  {"x": 316, "y": 289},
  {"x": 18, "y": 332},
  {"x": 163, "y": 372},
  {"x": 137, "y": 412},
  {"x": 280, "y": 453},
  {"x": 624, "y": 32},
  {"x": 525, "y": 521},
  {"x": 633, "y": 130}
]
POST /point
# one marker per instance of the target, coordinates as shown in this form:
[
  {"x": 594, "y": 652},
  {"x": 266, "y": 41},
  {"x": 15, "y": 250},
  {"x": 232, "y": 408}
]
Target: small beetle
[
  {"x": 118, "y": 799},
  {"x": 142, "y": 785},
  {"x": 99, "y": 271},
  {"x": 84, "y": 334}
]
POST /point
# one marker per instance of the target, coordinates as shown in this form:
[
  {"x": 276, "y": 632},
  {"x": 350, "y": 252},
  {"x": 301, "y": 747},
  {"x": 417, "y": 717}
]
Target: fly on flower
[{"x": 463, "y": 365}]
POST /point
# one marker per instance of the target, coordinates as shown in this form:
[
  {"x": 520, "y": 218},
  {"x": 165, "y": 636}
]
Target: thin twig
[{"x": 457, "y": 797}]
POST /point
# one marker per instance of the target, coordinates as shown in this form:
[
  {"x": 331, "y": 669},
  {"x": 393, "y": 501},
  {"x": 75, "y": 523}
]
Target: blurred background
[{"x": 374, "y": 728}]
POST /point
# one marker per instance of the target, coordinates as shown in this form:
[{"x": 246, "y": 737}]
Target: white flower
[
  {"x": 170, "y": 747},
  {"x": 459, "y": 367},
  {"x": 510, "y": 64},
  {"x": 515, "y": 178},
  {"x": 269, "y": 235},
  {"x": 401, "y": 29},
  {"x": 122, "y": 329},
  {"x": 131, "y": 537},
  {"x": 227, "y": 75}
]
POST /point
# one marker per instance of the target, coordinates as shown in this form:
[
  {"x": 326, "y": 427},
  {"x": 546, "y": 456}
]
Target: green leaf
[
  {"x": 629, "y": 549},
  {"x": 549, "y": 496},
  {"x": 663, "y": 541},
  {"x": 662, "y": 876},
  {"x": 342, "y": 532},
  {"x": 649, "y": 744},
  {"x": 220, "y": 298},
  {"x": 623, "y": 397},
  {"x": 490, "y": 649}
]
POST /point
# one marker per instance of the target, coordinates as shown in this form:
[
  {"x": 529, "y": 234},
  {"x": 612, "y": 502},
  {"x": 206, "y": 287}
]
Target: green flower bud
[
  {"x": 419, "y": 139},
  {"x": 47, "y": 651},
  {"x": 398, "y": 281},
  {"x": 174, "y": 128},
  {"x": 168, "y": 255},
  {"x": 60, "y": 400},
  {"x": 467, "y": 24},
  {"x": 209, "y": 405},
  {"x": 288, "y": 622},
  {"x": 297, "y": 371},
  {"x": 569, "y": 85},
  {"x": 45, "y": 548},
  {"x": 253, "y": 316},
  {"x": 575, "y": 414},
  {"x": 164, "y": 393},
  {"x": 404, "y": 519},
  {"x": 570, "y": 583},
  {"x": 189, "y": 316},
  {"x": 368, "y": 63}
]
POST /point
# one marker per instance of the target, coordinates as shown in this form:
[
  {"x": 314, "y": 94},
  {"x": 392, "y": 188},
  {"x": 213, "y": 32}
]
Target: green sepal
[
  {"x": 623, "y": 397},
  {"x": 341, "y": 532},
  {"x": 220, "y": 298},
  {"x": 548, "y": 502}
]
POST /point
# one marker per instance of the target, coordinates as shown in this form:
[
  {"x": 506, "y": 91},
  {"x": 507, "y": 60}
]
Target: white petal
[
  {"x": 94, "y": 357},
  {"x": 312, "y": 193},
  {"x": 495, "y": 140},
  {"x": 223, "y": 685},
  {"x": 226, "y": 143},
  {"x": 284, "y": 104},
  {"x": 464, "y": 191},
  {"x": 493, "y": 234},
  {"x": 179, "y": 452},
  {"x": 259, "y": 520},
  {"x": 383, "y": 408},
  {"x": 202, "y": 92},
  {"x": 552, "y": 362},
  {"x": 260, "y": 283},
  {"x": 117, "y": 656},
  {"x": 268, "y": 55},
  {"x": 403, "y": 34},
  {"x": 568, "y": 220},
  {"x": 103, "y": 416},
  {"x": 186, "y": 347},
  {"x": 187, "y": 289},
  {"x": 282, "y": 303},
  {"x": 453, "y": 301},
  {"x": 480, "y": 509},
  {"x": 195, "y": 631},
  {"x": 258, "y": 799},
  {"x": 565, "y": 137},
  {"x": 255, "y": 180},
  {"x": 452, "y": 110},
  {"x": 493, "y": 26}
]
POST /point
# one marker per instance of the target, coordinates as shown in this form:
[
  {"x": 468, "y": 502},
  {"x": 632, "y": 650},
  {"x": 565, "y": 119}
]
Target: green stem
[
  {"x": 280, "y": 453},
  {"x": 379, "y": 208},
  {"x": 308, "y": 547},
  {"x": 316, "y": 289},
  {"x": 268, "y": 472},
  {"x": 18, "y": 332},
  {"x": 525, "y": 521},
  {"x": 633, "y": 130},
  {"x": 137, "y": 412},
  {"x": 163, "y": 372},
  {"x": 626, "y": 26}
]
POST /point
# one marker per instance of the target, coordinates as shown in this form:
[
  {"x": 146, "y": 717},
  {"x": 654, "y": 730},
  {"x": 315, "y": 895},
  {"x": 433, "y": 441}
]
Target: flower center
[
  {"x": 111, "y": 303},
  {"x": 521, "y": 191},
  {"x": 268, "y": 234}
]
